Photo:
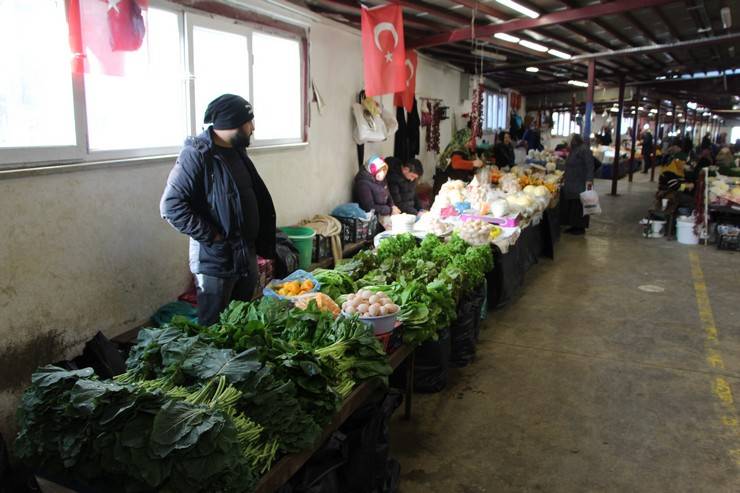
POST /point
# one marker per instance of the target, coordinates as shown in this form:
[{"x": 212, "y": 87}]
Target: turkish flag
[
  {"x": 405, "y": 98},
  {"x": 383, "y": 50},
  {"x": 104, "y": 33}
]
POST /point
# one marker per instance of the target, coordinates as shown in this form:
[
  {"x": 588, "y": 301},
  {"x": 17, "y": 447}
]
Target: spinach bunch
[{"x": 121, "y": 438}]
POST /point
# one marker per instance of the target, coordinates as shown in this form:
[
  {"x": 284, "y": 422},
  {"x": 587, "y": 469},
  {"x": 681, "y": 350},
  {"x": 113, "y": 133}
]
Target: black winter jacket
[
  {"x": 403, "y": 192},
  {"x": 201, "y": 200},
  {"x": 371, "y": 194}
]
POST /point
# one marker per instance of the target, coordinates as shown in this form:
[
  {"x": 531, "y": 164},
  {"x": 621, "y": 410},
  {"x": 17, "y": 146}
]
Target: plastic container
[
  {"x": 656, "y": 229},
  {"x": 302, "y": 238},
  {"x": 381, "y": 325},
  {"x": 685, "y": 231}
]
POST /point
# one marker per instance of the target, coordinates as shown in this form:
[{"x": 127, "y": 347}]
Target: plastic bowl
[{"x": 380, "y": 325}]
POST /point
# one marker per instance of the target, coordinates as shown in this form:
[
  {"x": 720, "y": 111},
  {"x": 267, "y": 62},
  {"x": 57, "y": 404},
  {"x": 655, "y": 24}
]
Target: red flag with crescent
[
  {"x": 405, "y": 98},
  {"x": 383, "y": 50}
]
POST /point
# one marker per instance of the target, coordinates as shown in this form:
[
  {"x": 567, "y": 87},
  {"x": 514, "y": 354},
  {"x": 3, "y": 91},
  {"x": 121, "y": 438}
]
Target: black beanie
[{"x": 228, "y": 111}]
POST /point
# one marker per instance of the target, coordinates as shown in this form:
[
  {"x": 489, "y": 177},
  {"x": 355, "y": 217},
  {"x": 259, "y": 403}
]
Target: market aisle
[{"x": 586, "y": 382}]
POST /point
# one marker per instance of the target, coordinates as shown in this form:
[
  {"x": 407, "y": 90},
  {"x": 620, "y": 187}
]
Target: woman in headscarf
[
  {"x": 370, "y": 189},
  {"x": 579, "y": 177}
]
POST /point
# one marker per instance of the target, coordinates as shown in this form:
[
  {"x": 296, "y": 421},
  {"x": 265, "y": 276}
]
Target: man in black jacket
[
  {"x": 402, "y": 180},
  {"x": 216, "y": 197}
]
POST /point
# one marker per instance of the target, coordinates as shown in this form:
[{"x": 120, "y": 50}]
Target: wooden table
[{"x": 281, "y": 472}]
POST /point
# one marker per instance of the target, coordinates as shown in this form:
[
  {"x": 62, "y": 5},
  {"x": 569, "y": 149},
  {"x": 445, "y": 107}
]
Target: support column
[
  {"x": 634, "y": 129},
  {"x": 589, "y": 102},
  {"x": 618, "y": 139},
  {"x": 675, "y": 118},
  {"x": 655, "y": 143}
]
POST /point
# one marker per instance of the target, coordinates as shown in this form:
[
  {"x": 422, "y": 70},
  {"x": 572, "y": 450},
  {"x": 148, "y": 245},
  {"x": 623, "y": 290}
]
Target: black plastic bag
[
  {"x": 321, "y": 473},
  {"x": 432, "y": 363},
  {"x": 478, "y": 297},
  {"x": 103, "y": 356},
  {"x": 287, "y": 256},
  {"x": 368, "y": 438},
  {"x": 463, "y": 331}
]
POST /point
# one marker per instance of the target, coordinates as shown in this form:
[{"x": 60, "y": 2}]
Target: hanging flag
[
  {"x": 383, "y": 50},
  {"x": 104, "y": 33},
  {"x": 405, "y": 98}
]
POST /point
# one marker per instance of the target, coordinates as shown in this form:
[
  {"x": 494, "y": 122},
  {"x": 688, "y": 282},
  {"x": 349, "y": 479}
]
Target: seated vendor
[
  {"x": 370, "y": 189},
  {"x": 504, "y": 151},
  {"x": 402, "y": 181},
  {"x": 673, "y": 184}
]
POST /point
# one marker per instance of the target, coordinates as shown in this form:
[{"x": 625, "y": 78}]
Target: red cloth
[
  {"x": 405, "y": 98},
  {"x": 383, "y": 50},
  {"x": 458, "y": 162},
  {"x": 102, "y": 32}
]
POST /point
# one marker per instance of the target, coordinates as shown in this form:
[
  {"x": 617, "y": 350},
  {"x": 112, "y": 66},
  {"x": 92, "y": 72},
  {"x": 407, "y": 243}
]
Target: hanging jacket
[
  {"x": 403, "y": 192},
  {"x": 201, "y": 200},
  {"x": 371, "y": 194},
  {"x": 401, "y": 139},
  {"x": 413, "y": 123}
]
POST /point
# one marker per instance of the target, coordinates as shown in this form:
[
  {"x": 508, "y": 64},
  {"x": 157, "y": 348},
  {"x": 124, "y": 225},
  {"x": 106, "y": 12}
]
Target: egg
[
  {"x": 350, "y": 297},
  {"x": 374, "y": 310},
  {"x": 391, "y": 308},
  {"x": 363, "y": 308},
  {"x": 350, "y": 310},
  {"x": 373, "y": 299},
  {"x": 383, "y": 310}
]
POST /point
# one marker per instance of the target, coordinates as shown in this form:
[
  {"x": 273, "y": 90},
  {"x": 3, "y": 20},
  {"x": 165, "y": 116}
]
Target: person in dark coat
[
  {"x": 706, "y": 142},
  {"x": 647, "y": 150},
  {"x": 370, "y": 189},
  {"x": 402, "y": 180},
  {"x": 578, "y": 177},
  {"x": 503, "y": 151},
  {"x": 216, "y": 197}
]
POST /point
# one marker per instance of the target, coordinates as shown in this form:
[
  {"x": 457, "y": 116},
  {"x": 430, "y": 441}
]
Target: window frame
[{"x": 80, "y": 153}]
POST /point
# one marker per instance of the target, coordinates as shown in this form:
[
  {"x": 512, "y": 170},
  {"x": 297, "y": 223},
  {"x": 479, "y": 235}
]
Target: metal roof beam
[{"x": 568, "y": 15}]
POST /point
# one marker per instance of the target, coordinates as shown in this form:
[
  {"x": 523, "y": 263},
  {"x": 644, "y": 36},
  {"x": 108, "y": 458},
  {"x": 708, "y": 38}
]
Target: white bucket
[
  {"x": 657, "y": 229},
  {"x": 685, "y": 231}
]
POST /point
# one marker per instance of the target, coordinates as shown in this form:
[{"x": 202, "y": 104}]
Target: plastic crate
[
  {"x": 356, "y": 230},
  {"x": 728, "y": 237},
  {"x": 321, "y": 248}
]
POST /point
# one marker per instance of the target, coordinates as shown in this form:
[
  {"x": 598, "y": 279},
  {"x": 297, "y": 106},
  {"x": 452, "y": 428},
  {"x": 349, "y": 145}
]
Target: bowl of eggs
[{"x": 376, "y": 309}]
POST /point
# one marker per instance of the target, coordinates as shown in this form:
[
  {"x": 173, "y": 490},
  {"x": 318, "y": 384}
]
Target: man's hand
[
  {"x": 218, "y": 238},
  {"x": 477, "y": 163},
  {"x": 395, "y": 210}
]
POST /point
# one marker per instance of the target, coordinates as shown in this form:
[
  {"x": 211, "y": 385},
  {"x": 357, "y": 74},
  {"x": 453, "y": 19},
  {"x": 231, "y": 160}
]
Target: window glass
[
  {"x": 144, "y": 107},
  {"x": 277, "y": 88},
  {"x": 36, "y": 99},
  {"x": 221, "y": 66}
]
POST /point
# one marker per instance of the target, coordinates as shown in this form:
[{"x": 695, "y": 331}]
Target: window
[
  {"x": 734, "y": 135},
  {"x": 143, "y": 108},
  {"x": 36, "y": 97},
  {"x": 48, "y": 114},
  {"x": 563, "y": 126},
  {"x": 495, "y": 111}
]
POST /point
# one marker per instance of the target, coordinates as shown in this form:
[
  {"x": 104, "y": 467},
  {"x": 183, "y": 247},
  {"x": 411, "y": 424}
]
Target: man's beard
[{"x": 240, "y": 139}]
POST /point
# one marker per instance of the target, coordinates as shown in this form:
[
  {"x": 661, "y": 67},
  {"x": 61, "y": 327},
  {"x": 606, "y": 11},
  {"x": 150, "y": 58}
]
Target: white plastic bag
[
  {"x": 590, "y": 202},
  {"x": 368, "y": 128}
]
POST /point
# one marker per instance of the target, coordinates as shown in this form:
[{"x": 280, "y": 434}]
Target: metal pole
[
  {"x": 685, "y": 120},
  {"x": 634, "y": 139},
  {"x": 655, "y": 144},
  {"x": 618, "y": 139},
  {"x": 675, "y": 116},
  {"x": 589, "y": 102}
]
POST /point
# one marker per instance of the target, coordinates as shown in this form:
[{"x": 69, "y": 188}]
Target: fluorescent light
[
  {"x": 507, "y": 37},
  {"x": 422, "y": 14},
  {"x": 715, "y": 116},
  {"x": 578, "y": 83},
  {"x": 706, "y": 114},
  {"x": 519, "y": 8},
  {"x": 533, "y": 46},
  {"x": 680, "y": 115},
  {"x": 459, "y": 6},
  {"x": 692, "y": 105},
  {"x": 614, "y": 110},
  {"x": 670, "y": 113},
  {"x": 489, "y": 54},
  {"x": 559, "y": 54},
  {"x": 533, "y": 69},
  {"x": 653, "y": 111},
  {"x": 640, "y": 108}
]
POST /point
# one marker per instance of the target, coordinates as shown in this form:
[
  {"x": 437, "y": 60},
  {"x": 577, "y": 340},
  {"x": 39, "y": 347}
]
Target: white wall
[{"x": 86, "y": 250}]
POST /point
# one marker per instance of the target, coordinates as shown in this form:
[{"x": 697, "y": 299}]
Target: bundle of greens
[
  {"x": 334, "y": 283},
  {"x": 167, "y": 357},
  {"x": 124, "y": 438}
]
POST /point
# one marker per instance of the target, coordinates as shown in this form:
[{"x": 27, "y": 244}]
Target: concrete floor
[{"x": 586, "y": 383}]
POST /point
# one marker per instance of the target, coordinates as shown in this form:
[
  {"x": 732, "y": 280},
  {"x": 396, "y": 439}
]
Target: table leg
[{"x": 409, "y": 386}]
